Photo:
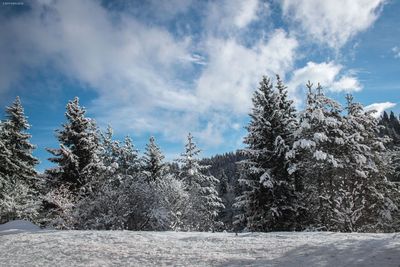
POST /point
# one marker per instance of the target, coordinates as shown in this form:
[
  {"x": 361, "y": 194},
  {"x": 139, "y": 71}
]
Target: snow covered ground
[{"x": 28, "y": 246}]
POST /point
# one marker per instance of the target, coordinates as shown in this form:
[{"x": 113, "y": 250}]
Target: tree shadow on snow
[{"x": 342, "y": 253}]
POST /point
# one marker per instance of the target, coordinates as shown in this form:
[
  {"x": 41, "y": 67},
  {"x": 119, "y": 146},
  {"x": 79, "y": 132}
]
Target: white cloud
[
  {"x": 233, "y": 70},
  {"x": 332, "y": 22},
  {"x": 379, "y": 108},
  {"x": 245, "y": 13},
  {"x": 136, "y": 68},
  {"x": 128, "y": 63},
  {"x": 328, "y": 74},
  {"x": 396, "y": 52},
  {"x": 231, "y": 15}
]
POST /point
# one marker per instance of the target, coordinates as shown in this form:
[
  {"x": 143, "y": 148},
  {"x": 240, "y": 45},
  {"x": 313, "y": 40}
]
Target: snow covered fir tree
[
  {"x": 79, "y": 143},
  {"x": 325, "y": 166},
  {"x": 268, "y": 202},
  {"x": 204, "y": 202},
  {"x": 154, "y": 167},
  {"x": 19, "y": 182}
]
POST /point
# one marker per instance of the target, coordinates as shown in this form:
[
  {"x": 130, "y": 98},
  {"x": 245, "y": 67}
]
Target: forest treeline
[{"x": 326, "y": 167}]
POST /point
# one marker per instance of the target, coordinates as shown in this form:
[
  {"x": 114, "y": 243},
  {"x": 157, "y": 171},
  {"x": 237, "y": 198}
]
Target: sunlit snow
[{"x": 128, "y": 248}]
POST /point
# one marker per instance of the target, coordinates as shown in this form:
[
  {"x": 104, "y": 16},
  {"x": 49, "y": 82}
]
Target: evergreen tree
[
  {"x": 19, "y": 197},
  {"x": 6, "y": 159},
  {"x": 365, "y": 202},
  {"x": 341, "y": 162},
  {"x": 78, "y": 157},
  {"x": 390, "y": 127},
  {"x": 269, "y": 201},
  {"x": 126, "y": 198},
  {"x": 204, "y": 201},
  {"x": 16, "y": 140},
  {"x": 154, "y": 167},
  {"x": 395, "y": 164},
  {"x": 316, "y": 157},
  {"x": 107, "y": 206},
  {"x": 119, "y": 159},
  {"x": 394, "y": 122}
]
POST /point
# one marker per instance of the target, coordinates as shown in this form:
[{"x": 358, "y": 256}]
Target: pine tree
[
  {"x": 17, "y": 142},
  {"x": 316, "y": 157},
  {"x": 119, "y": 159},
  {"x": 269, "y": 201},
  {"x": 19, "y": 197},
  {"x": 109, "y": 205},
  {"x": 77, "y": 158},
  {"x": 6, "y": 159},
  {"x": 154, "y": 167},
  {"x": 395, "y": 164},
  {"x": 390, "y": 127},
  {"x": 365, "y": 202},
  {"x": 204, "y": 201}
]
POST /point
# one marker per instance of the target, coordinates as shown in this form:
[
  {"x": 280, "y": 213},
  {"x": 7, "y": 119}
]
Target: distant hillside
[{"x": 226, "y": 169}]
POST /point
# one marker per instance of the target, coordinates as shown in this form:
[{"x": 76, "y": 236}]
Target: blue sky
[{"x": 165, "y": 68}]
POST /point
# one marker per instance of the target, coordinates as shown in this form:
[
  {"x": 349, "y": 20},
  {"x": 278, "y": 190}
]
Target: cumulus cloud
[
  {"x": 328, "y": 74},
  {"x": 233, "y": 70},
  {"x": 332, "y": 22},
  {"x": 379, "y": 108}
]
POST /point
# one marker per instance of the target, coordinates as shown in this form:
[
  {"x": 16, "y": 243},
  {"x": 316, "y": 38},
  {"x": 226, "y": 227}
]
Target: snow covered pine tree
[
  {"x": 367, "y": 197},
  {"x": 268, "y": 202},
  {"x": 154, "y": 167},
  {"x": 204, "y": 201},
  {"x": 339, "y": 160},
  {"x": 79, "y": 164},
  {"x": 78, "y": 150},
  {"x": 107, "y": 205},
  {"x": 19, "y": 184}
]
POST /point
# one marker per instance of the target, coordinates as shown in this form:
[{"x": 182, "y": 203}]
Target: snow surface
[
  {"x": 18, "y": 226},
  {"x": 127, "y": 248}
]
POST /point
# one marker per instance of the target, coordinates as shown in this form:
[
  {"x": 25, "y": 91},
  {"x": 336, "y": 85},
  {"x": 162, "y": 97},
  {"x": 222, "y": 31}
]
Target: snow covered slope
[{"x": 125, "y": 248}]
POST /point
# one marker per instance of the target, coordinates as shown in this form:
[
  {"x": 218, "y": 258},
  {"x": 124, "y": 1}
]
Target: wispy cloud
[
  {"x": 174, "y": 78},
  {"x": 332, "y": 23},
  {"x": 379, "y": 108},
  {"x": 396, "y": 52}
]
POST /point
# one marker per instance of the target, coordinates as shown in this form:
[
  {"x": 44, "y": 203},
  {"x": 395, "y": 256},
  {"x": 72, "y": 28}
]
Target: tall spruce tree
[
  {"x": 316, "y": 157},
  {"x": 19, "y": 196},
  {"x": 366, "y": 199},
  {"x": 268, "y": 202},
  {"x": 205, "y": 204},
  {"x": 6, "y": 159},
  {"x": 78, "y": 155},
  {"x": 17, "y": 142},
  {"x": 154, "y": 167}
]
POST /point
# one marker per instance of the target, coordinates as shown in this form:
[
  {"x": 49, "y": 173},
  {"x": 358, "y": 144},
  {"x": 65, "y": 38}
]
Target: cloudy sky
[{"x": 167, "y": 67}]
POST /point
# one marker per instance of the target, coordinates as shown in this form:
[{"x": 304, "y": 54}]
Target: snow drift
[{"x": 18, "y": 226}]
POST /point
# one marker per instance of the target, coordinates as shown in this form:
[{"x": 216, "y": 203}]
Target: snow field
[{"x": 127, "y": 248}]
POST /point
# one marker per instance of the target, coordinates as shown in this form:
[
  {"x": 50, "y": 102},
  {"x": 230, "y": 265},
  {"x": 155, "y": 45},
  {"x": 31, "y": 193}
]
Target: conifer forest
[{"x": 325, "y": 167}]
